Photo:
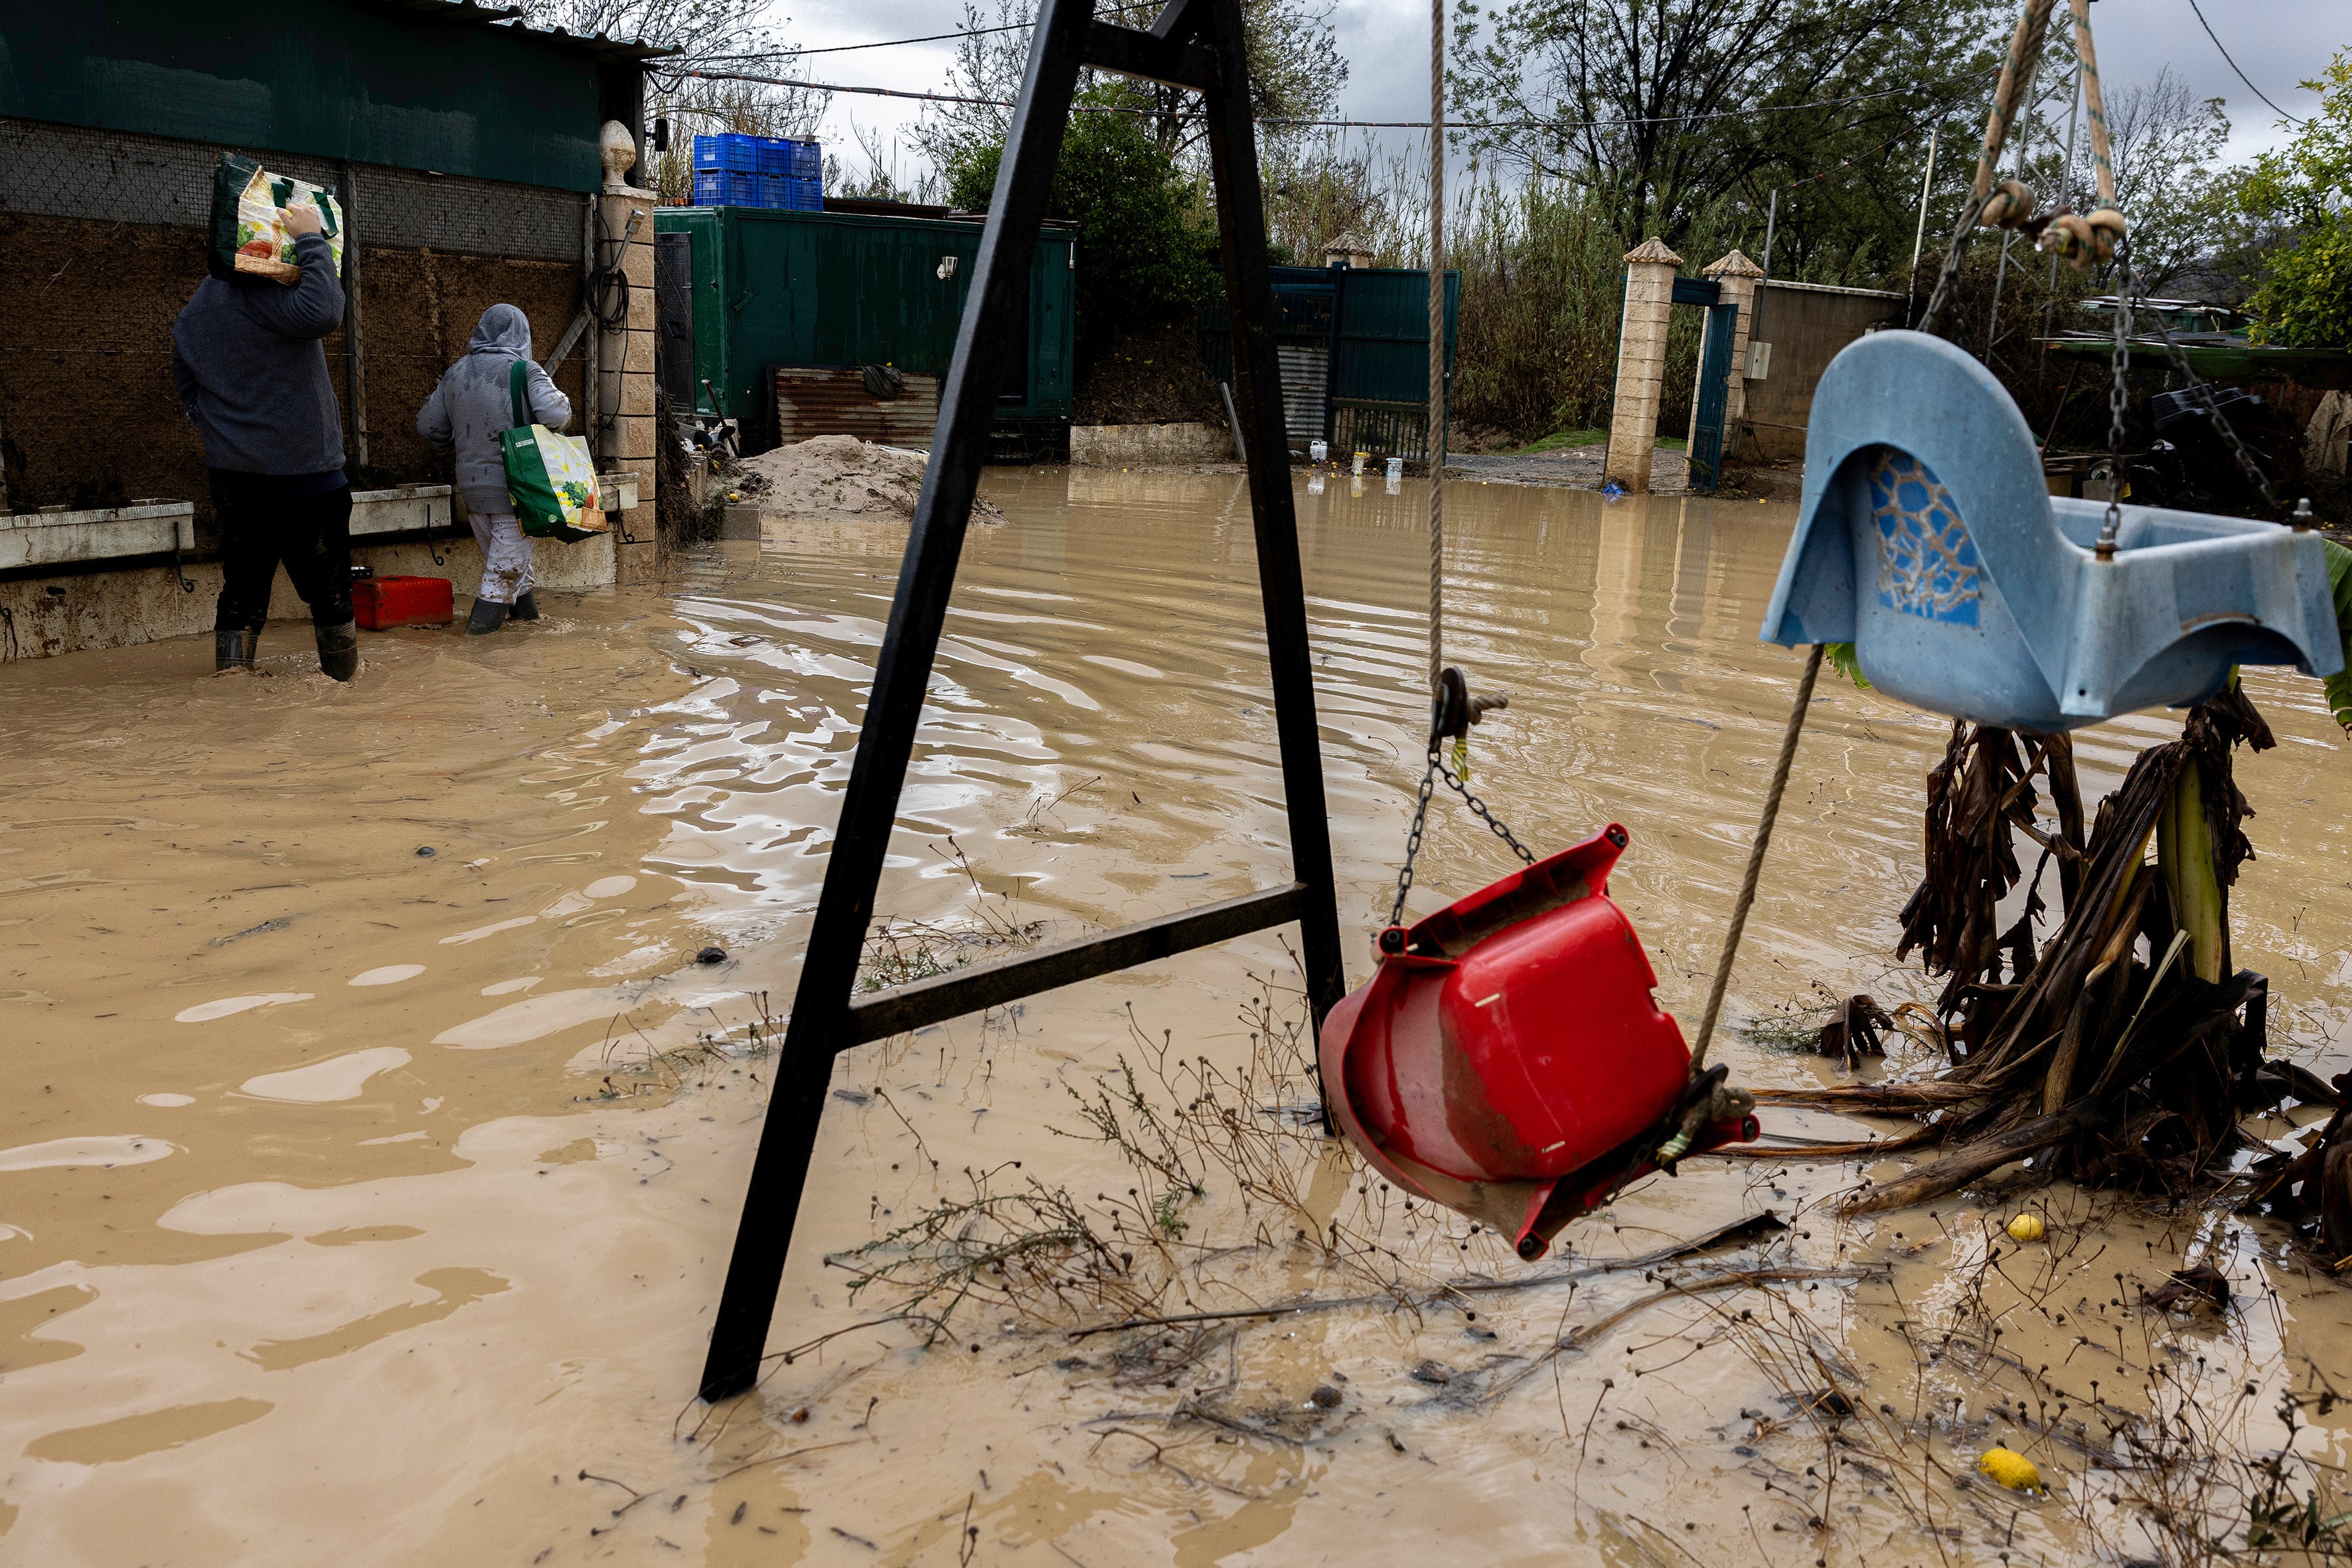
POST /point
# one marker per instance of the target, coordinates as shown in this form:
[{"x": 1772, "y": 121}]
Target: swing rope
[{"x": 1756, "y": 848}]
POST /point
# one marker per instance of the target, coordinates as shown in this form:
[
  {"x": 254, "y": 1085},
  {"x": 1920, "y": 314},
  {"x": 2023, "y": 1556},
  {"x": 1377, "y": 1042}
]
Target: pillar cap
[
  {"x": 1653, "y": 250},
  {"x": 1733, "y": 266}
]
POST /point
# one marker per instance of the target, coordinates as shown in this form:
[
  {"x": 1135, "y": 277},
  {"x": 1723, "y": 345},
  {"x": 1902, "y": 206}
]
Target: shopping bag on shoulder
[
  {"x": 248, "y": 222},
  {"x": 550, "y": 479}
]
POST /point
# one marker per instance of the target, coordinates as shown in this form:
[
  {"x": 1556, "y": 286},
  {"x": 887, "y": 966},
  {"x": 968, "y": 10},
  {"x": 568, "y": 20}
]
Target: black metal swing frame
[{"x": 1192, "y": 44}]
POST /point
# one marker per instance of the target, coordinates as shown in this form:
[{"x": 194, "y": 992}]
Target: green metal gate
[{"x": 1372, "y": 326}]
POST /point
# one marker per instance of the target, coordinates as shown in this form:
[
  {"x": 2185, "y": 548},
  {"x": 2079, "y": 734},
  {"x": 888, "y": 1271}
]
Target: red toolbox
[{"x": 380, "y": 603}]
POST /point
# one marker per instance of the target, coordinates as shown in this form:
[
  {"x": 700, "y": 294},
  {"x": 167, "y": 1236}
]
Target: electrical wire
[
  {"x": 926, "y": 38},
  {"x": 1533, "y": 124},
  {"x": 2257, "y": 92}
]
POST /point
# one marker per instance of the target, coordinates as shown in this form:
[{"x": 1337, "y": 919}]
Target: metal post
[
  {"x": 2008, "y": 236},
  {"x": 1919, "y": 240},
  {"x": 2065, "y": 191},
  {"x": 354, "y": 371},
  {"x": 1338, "y": 275},
  {"x": 596, "y": 330},
  {"x": 825, "y": 1019},
  {"x": 1435, "y": 446},
  {"x": 1257, "y": 369}
]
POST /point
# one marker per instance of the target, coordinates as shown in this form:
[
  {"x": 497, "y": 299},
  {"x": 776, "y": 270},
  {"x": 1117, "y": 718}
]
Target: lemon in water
[{"x": 2010, "y": 1468}]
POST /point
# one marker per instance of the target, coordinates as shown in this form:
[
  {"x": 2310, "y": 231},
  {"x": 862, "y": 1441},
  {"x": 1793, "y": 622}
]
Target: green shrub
[{"x": 1146, "y": 249}]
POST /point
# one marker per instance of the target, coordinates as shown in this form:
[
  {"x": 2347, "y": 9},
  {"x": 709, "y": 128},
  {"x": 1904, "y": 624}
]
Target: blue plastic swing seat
[{"x": 1928, "y": 538}]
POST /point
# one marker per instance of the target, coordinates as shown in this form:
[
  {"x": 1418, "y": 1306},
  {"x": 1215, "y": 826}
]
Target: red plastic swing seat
[{"x": 1513, "y": 1045}]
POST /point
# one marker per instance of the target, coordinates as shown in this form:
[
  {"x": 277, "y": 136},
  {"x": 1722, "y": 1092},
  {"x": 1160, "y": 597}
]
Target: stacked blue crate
[
  {"x": 726, "y": 171},
  {"x": 726, "y": 188},
  {"x": 736, "y": 170},
  {"x": 729, "y": 150}
]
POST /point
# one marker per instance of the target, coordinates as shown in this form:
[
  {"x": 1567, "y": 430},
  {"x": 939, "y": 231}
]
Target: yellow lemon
[
  {"x": 2011, "y": 1469},
  {"x": 2025, "y": 1227}
]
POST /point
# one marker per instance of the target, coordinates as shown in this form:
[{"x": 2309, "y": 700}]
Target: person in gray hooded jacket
[{"x": 470, "y": 410}]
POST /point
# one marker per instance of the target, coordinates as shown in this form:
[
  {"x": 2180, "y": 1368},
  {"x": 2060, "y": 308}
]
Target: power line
[
  {"x": 2257, "y": 92},
  {"x": 926, "y": 38},
  {"x": 1533, "y": 124}
]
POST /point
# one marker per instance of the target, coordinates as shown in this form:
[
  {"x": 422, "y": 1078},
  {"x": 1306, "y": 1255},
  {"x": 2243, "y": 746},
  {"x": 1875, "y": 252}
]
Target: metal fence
[{"x": 113, "y": 176}]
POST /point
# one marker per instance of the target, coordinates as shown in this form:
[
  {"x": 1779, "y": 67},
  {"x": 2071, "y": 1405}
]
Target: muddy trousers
[
  {"x": 260, "y": 527},
  {"x": 506, "y": 556}
]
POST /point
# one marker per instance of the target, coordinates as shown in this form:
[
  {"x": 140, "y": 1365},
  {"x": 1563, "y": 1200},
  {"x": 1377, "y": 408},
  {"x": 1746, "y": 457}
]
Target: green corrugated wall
[
  {"x": 330, "y": 77},
  {"x": 839, "y": 289}
]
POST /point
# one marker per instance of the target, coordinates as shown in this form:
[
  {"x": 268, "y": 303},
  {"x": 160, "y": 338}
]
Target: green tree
[
  {"x": 1144, "y": 244},
  {"x": 2301, "y": 196},
  {"x": 1661, "y": 107}
]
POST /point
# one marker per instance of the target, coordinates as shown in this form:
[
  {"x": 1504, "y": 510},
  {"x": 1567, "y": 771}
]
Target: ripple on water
[
  {"x": 58, "y": 1152},
  {"x": 337, "y": 1078},
  {"x": 390, "y": 974},
  {"x": 205, "y": 1012}
]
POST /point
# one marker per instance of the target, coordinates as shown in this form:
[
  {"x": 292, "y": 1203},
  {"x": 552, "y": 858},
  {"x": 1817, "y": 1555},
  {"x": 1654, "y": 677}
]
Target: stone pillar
[
  {"x": 1641, "y": 362},
  {"x": 1738, "y": 275},
  {"x": 624, "y": 437}
]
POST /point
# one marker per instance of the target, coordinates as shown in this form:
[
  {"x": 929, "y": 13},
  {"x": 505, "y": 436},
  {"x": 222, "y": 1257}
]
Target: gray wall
[{"x": 1807, "y": 324}]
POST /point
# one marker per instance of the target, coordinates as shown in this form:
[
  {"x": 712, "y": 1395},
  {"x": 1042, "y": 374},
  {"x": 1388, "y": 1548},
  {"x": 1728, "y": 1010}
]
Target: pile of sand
[{"x": 841, "y": 478}]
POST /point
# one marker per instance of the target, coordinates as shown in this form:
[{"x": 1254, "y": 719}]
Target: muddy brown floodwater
[{"x": 373, "y": 1140}]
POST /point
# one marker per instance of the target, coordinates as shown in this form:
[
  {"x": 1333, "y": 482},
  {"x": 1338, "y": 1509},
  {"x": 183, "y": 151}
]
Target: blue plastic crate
[
  {"x": 775, "y": 155},
  {"x": 726, "y": 188},
  {"x": 729, "y": 150},
  {"x": 775, "y": 190},
  {"x": 803, "y": 195},
  {"x": 808, "y": 160}
]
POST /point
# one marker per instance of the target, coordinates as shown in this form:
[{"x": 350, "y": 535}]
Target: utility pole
[{"x": 1919, "y": 240}]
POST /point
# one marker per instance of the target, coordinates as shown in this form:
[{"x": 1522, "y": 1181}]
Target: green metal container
[{"x": 776, "y": 288}]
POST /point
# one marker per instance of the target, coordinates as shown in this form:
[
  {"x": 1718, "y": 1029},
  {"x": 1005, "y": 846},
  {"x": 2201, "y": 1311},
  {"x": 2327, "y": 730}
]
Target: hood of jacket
[{"x": 504, "y": 331}]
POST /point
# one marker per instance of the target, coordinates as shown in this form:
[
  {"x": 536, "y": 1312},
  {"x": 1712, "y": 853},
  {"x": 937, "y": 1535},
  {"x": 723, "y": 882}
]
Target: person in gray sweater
[
  {"x": 251, "y": 372},
  {"x": 469, "y": 410}
]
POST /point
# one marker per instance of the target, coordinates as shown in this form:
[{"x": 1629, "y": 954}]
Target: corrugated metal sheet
[
  {"x": 845, "y": 288},
  {"x": 1305, "y": 372},
  {"x": 831, "y": 400}
]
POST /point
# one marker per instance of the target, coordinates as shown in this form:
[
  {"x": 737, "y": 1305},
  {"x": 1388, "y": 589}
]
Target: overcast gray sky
[{"x": 2277, "y": 43}]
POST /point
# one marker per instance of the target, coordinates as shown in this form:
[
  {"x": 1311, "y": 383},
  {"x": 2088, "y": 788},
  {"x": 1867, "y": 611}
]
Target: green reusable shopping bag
[{"x": 550, "y": 479}]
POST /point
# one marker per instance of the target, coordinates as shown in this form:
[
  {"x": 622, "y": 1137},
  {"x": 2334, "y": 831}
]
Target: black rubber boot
[
  {"x": 488, "y": 616},
  {"x": 234, "y": 648},
  {"x": 524, "y": 608},
  {"x": 339, "y": 650}
]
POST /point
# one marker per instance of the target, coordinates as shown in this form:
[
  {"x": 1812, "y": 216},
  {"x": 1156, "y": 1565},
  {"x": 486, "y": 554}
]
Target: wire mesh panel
[
  {"x": 110, "y": 230},
  {"x": 112, "y": 176}
]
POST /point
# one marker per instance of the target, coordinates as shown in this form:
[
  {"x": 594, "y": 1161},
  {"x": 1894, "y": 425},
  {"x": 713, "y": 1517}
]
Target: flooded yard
[{"x": 378, "y": 1118}]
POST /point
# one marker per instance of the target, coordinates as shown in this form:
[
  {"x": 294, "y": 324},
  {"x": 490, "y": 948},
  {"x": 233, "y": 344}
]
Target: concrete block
[
  {"x": 637, "y": 266},
  {"x": 54, "y": 538},
  {"x": 637, "y": 396},
  {"x": 630, "y": 352},
  {"x": 1142, "y": 445},
  {"x": 740, "y": 521},
  {"x": 633, "y": 441}
]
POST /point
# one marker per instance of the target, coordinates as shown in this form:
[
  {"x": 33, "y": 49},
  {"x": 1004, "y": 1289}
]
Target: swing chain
[
  {"x": 1429, "y": 778},
  {"x": 2131, "y": 290},
  {"x": 2220, "y": 421},
  {"x": 1413, "y": 841},
  {"x": 2119, "y": 399}
]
